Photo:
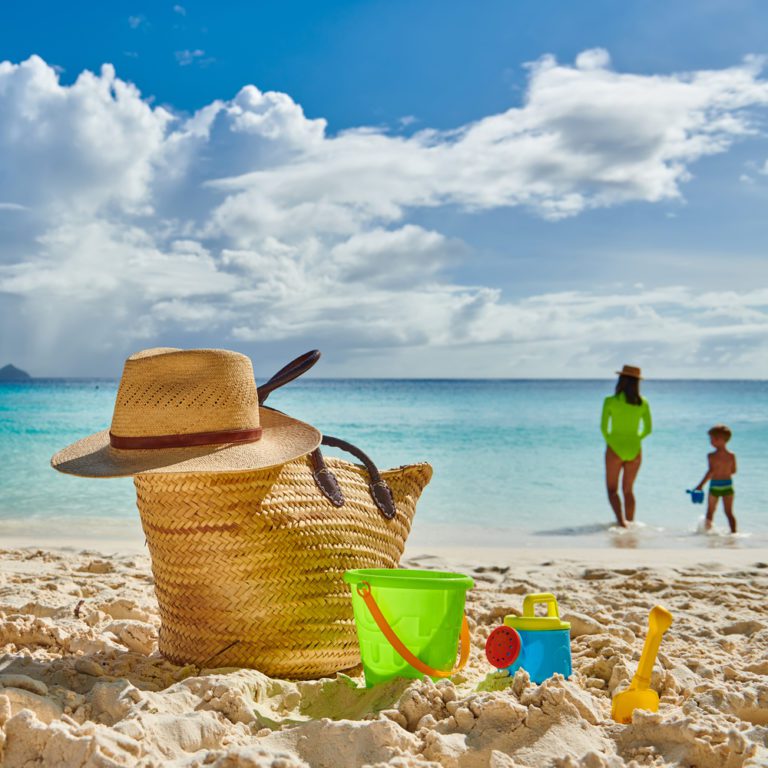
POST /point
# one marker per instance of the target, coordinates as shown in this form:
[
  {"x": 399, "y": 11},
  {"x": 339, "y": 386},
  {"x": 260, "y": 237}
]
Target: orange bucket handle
[{"x": 364, "y": 590}]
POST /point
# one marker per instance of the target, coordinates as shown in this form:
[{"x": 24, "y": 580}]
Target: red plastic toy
[{"x": 502, "y": 646}]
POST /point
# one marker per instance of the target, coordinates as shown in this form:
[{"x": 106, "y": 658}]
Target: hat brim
[
  {"x": 283, "y": 439},
  {"x": 631, "y": 375}
]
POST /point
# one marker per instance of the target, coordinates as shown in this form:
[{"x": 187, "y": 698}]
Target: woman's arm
[
  {"x": 646, "y": 417},
  {"x": 605, "y": 419}
]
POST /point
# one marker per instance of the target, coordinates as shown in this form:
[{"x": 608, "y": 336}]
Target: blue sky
[
  {"x": 360, "y": 63},
  {"x": 641, "y": 240}
]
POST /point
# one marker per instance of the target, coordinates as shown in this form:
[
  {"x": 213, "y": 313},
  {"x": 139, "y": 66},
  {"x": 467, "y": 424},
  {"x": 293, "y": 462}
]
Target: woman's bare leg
[
  {"x": 612, "y": 470},
  {"x": 631, "y": 468},
  {"x": 728, "y": 506}
]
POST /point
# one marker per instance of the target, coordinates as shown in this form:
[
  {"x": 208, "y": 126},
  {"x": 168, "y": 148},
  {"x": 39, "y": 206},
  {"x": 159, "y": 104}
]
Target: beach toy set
[
  {"x": 697, "y": 496},
  {"x": 411, "y": 623},
  {"x": 541, "y": 645}
]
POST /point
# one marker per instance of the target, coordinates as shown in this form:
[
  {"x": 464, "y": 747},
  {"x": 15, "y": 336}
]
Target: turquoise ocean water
[{"x": 517, "y": 463}]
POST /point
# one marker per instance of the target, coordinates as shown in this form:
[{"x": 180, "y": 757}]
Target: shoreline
[
  {"x": 642, "y": 543},
  {"x": 473, "y": 556}
]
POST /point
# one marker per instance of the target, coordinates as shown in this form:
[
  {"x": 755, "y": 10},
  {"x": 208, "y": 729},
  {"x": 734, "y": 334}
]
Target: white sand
[{"x": 81, "y": 683}]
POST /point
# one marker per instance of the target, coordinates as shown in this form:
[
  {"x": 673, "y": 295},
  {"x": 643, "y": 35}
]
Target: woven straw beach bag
[{"x": 248, "y": 566}]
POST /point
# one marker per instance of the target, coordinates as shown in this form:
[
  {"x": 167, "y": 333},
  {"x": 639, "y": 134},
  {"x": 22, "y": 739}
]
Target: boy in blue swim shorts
[{"x": 722, "y": 467}]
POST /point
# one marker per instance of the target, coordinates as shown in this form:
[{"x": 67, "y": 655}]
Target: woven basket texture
[{"x": 248, "y": 566}]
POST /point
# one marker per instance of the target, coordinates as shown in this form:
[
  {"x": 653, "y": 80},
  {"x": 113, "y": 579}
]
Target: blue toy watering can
[
  {"x": 697, "y": 497},
  {"x": 541, "y": 645}
]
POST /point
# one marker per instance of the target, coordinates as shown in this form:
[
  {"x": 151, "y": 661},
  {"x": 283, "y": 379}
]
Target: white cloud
[
  {"x": 89, "y": 261},
  {"x": 187, "y": 57},
  {"x": 80, "y": 148},
  {"x": 180, "y": 9},
  {"x": 395, "y": 258},
  {"x": 595, "y": 58},
  {"x": 134, "y": 22},
  {"x": 247, "y": 222},
  {"x": 586, "y": 137}
]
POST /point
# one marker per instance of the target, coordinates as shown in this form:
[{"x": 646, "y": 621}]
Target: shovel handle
[{"x": 656, "y": 620}]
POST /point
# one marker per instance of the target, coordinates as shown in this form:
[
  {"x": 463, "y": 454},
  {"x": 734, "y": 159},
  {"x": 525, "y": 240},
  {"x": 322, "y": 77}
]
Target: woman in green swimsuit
[{"x": 620, "y": 425}]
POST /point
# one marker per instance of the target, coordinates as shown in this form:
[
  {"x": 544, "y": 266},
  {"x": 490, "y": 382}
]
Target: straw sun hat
[
  {"x": 191, "y": 410},
  {"x": 630, "y": 370}
]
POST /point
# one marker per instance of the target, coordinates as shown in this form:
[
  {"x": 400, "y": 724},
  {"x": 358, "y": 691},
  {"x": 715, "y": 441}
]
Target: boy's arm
[
  {"x": 733, "y": 471},
  {"x": 707, "y": 476},
  {"x": 604, "y": 420},
  {"x": 647, "y": 425}
]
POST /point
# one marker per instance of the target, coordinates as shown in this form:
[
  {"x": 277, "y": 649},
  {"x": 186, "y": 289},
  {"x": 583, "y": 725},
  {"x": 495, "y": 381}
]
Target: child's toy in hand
[
  {"x": 639, "y": 695},
  {"x": 697, "y": 496},
  {"x": 541, "y": 645}
]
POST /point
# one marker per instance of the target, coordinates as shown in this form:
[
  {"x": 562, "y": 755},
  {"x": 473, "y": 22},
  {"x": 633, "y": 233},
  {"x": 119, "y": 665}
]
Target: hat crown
[
  {"x": 630, "y": 370},
  {"x": 167, "y": 391}
]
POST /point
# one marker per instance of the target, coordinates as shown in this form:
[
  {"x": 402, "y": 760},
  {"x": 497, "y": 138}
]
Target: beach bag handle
[
  {"x": 325, "y": 479},
  {"x": 287, "y": 373},
  {"x": 364, "y": 590}
]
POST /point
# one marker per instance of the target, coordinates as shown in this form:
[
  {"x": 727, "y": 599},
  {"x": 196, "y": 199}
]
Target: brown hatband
[{"x": 185, "y": 441}]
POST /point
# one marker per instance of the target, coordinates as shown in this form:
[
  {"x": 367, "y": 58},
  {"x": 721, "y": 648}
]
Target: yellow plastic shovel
[{"x": 639, "y": 695}]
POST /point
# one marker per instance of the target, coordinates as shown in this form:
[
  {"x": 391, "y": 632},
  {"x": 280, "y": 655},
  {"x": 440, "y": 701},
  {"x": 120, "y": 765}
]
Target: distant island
[{"x": 12, "y": 373}]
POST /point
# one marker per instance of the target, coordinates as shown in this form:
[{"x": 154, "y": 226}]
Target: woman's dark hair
[{"x": 630, "y": 386}]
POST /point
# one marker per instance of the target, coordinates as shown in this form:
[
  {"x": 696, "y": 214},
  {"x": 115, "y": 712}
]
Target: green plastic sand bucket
[{"x": 409, "y": 622}]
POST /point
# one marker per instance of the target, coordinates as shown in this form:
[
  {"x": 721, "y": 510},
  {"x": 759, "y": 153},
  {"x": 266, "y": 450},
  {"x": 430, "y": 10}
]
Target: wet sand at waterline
[{"x": 82, "y": 684}]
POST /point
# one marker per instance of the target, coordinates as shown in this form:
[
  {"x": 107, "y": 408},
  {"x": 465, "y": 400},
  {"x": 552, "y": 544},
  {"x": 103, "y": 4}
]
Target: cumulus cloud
[
  {"x": 77, "y": 149},
  {"x": 586, "y": 137},
  {"x": 247, "y": 222}
]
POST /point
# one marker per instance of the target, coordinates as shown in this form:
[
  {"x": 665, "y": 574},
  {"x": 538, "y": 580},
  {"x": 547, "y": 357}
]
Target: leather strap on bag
[
  {"x": 364, "y": 590},
  {"x": 287, "y": 373},
  {"x": 325, "y": 480},
  {"x": 380, "y": 491}
]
